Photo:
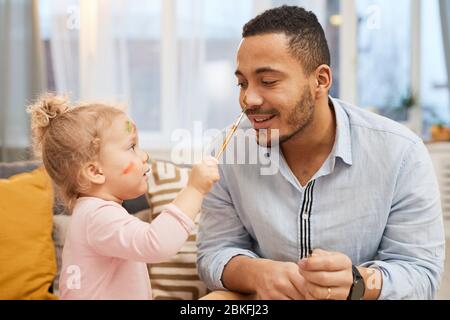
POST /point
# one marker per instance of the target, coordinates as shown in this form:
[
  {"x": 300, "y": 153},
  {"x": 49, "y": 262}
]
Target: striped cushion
[
  {"x": 165, "y": 183},
  {"x": 177, "y": 278}
]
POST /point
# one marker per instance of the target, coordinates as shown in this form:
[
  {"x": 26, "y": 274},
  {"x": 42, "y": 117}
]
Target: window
[
  {"x": 172, "y": 61},
  {"x": 434, "y": 89},
  {"x": 384, "y": 55},
  {"x": 208, "y": 36},
  {"x": 59, "y": 23},
  {"x": 143, "y": 47},
  {"x": 328, "y": 13}
]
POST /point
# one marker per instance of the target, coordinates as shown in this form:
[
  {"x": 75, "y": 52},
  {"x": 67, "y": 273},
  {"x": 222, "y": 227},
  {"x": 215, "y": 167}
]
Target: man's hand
[
  {"x": 264, "y": 279},
  {"x": 279, "y": 281},
  {"x": 328, "y": 275}
]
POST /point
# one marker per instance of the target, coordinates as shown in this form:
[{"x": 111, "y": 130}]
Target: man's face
[{"x": 273, "y": 87}]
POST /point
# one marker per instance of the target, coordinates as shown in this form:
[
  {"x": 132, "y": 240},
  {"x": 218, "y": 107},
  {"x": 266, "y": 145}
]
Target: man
[{"x": 354, "y": 210}]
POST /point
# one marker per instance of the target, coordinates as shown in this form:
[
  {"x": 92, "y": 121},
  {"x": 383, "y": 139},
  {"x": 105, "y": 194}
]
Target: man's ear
[
  {"x": 94, "y": 173},
  {"x": 323, "y": 78}
]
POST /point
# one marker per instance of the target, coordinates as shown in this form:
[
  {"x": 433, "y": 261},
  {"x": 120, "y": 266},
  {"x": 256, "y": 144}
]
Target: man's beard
[{"x": 300, "y": 118}]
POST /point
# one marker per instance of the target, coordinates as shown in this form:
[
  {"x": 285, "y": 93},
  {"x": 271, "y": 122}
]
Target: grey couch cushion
[
  {"x": 7, "y": 170},
  {"x": 136, "y": 205}
]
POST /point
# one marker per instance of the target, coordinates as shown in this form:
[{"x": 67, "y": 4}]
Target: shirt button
[{"x": 305, "y": 216}]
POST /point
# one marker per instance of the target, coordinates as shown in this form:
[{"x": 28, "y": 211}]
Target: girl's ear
[{"x": 93, "y": 172}]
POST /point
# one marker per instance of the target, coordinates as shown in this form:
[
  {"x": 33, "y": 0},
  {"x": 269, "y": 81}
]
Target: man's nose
[{"x": 252, "y": 100}]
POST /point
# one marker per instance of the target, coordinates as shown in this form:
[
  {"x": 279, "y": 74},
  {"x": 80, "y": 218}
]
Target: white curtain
[
  {"x": 191, "y": 51},
  {"x": 173, "y": 61},
  {"x": 208, "y": 35},
  {"x": 21, "y": 73},
  {"x": 61, "y": 21},
  {"x": 103, "y": 52},
  {"x": 88, "y": 49}
]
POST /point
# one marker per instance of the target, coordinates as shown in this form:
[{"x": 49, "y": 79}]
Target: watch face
[
  {"x": 358, "y": 290},
  {"x": 359, "y": 287}
]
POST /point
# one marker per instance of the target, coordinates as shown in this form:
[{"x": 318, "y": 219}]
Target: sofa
[{"x": 33, "y": 225}]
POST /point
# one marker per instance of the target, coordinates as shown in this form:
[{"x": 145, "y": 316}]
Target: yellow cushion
[{"x": 27, "y": 253}]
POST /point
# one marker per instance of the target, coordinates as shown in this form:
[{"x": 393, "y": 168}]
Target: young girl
[{"x": 92, "y": 154}]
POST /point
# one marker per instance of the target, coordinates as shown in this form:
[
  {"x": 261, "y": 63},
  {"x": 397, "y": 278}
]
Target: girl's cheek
[{"x": 128, "y": 169}]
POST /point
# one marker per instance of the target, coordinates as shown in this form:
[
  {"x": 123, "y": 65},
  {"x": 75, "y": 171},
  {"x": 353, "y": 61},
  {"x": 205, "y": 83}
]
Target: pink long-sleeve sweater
[{"x": 106, "y": 250}]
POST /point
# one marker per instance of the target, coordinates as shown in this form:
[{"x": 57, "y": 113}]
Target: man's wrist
[
  {"x": 373, "y": 281},
  {"x": 241, "y": 264}
]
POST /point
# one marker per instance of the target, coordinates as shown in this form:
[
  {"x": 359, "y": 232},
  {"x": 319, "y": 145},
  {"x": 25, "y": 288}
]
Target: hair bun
[
  {"x": 42, "y": 112},
  {"x": 47, "y": 108}
]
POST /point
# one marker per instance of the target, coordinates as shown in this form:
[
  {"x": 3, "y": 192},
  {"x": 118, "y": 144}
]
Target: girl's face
[{"x": 123, "y": 163}]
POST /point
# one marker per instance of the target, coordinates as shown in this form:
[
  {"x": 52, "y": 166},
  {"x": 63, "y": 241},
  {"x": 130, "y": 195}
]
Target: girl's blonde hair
[{"x": 66, "y": 137}]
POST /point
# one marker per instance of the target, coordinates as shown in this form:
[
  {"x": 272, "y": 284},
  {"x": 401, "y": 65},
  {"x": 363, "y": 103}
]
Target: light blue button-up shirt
[{"x": 375, "y": 199}]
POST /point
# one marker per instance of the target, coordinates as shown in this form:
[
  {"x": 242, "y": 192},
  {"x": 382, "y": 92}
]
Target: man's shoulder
[{"x": 369, "y": 123}]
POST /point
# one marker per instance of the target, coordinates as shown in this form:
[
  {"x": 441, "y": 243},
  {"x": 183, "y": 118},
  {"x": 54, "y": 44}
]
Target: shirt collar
[{"x": 343, "y": 142}]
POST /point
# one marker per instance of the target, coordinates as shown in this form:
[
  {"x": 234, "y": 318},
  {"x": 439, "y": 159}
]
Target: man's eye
[
  {"x": 269, "y": 83},
  {"x": 242, "y": 84}
]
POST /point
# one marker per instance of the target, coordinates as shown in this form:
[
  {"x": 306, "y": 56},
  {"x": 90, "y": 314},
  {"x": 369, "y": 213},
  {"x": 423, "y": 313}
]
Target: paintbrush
[{"x": 230, "y": 134}]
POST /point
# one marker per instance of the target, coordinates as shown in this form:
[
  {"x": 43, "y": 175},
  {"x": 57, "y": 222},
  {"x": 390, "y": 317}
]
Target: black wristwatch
[{"x": 358, "y": 287}]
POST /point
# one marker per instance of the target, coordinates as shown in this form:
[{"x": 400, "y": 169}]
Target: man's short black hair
[{"x": 307, "y": 40}]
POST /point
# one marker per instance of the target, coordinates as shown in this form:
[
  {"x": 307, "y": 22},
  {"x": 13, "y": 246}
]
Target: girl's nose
[{"x": 146, "y": 157}]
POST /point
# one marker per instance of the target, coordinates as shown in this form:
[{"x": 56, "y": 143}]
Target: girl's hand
[{"x": 204, "y": 175}]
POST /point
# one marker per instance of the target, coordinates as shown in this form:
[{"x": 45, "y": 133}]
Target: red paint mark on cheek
[{"x": 128, "y": 169}]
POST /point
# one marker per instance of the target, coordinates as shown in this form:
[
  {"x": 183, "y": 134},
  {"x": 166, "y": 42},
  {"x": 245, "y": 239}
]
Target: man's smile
[{"x": 261, "y": 121}]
